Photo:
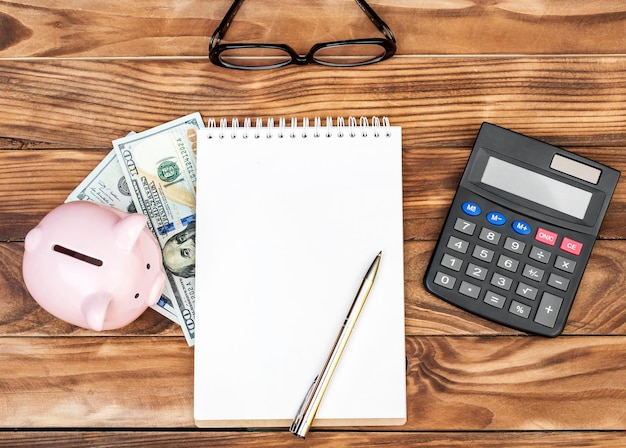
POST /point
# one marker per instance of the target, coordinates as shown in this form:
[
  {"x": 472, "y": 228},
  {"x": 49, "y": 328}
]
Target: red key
[
  {"x": 546, "y": 237},
  {"x": 571, "y": 246}
]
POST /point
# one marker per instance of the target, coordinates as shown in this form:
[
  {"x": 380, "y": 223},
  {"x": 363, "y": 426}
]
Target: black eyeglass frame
[{"x": 216, "y": 48}]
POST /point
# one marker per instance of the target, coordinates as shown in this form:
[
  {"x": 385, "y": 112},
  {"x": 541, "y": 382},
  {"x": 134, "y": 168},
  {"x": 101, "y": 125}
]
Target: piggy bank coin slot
[{"x": 77, "y": 255}]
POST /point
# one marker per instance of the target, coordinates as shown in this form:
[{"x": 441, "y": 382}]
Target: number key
[
  {"x": 501, "y": 281},
  {"x": 464, "y": 226},
  {"x": 451, "y": 262},
  {"x": 476, "y": 271},
  {"x": 482, "y": 254},
  {"x": 458, "y": 244},
  {"x": 445, "y": 280},
  {"x": 514, "y": 245},
  {"x": 508, "y": 263},
  {"x": 489, "y": 236}
]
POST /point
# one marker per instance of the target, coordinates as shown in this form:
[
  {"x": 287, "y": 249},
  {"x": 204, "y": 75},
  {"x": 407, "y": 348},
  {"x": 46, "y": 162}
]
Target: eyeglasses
[{"x": 342, "y": 53}]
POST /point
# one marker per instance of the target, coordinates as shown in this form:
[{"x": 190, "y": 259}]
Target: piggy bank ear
[
  {"x": 128, "y": 229},
  {"x": 32, "y": 239},
  {"x": 94, "y": 309}
]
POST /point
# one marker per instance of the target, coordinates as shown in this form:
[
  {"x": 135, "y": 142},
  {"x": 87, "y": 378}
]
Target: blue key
[
  {"x": 495, "y": 218},
  {"x": 521, "y": 227},
  {"x": 471, "y": 209}
]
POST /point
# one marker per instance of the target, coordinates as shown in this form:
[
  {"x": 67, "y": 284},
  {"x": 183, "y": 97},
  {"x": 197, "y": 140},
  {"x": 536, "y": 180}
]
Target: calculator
[{"x": 520, "y": 230}]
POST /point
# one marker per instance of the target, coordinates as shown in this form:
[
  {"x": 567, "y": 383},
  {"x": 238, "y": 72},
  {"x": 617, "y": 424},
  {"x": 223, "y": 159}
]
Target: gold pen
[{"x": 306, "y": 413}]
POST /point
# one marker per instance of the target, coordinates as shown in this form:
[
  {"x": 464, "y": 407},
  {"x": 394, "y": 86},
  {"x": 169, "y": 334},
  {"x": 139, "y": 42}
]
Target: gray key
[
  {"x": 558, "y": 282},
  {"x": 548, "y": 309},
  {"x": 533, "y": 273},
  {"x": 445, "y": 280},
  {"x": 565, "y": 264},
  {"x": 514, "y": 245},
  {"x": 527, "y": 291},
  {"x": 476, "y": 271},
  {"x": 464, "y": 226},
  {"x": 541, "y": 255},
  {"x": 451, "y": 262},
  {"x": 469, "y": 290},
  {"x": 457, "y": 244},
  {"x": 483, "y": 254},
  {"x": 508, "y": 263},
  {"x": 501, "y": 281},
  {"x": 519, "y": 309},
  {"x": 493, "y": 299},
  {"x": 490, "y": 236}
]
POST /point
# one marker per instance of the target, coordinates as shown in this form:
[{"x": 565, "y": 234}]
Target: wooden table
[{"x": 75, "y": 75}]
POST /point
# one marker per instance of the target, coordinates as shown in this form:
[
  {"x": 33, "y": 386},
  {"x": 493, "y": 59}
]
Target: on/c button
[
  {"x": 571, "y": 246},
  {"x": 546, "y": 237}
]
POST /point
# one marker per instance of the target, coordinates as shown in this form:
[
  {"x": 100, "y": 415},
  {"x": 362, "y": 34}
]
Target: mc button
[{"x": 471, "y": 208}]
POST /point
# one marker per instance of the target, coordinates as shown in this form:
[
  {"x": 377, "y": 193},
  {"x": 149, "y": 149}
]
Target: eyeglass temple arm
[
  {"x": 377, "y": 20},
  {"x": 221, "y": 30}
]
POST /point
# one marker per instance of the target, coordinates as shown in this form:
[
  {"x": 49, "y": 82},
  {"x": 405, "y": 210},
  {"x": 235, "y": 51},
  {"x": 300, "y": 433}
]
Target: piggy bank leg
[{"x": 94, "y": 309}]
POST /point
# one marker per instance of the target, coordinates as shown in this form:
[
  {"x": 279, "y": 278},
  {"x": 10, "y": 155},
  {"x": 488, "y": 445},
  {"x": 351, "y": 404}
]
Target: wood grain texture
[
  {"x": 598, "y": 309},
  {"x": 143, "y": 28},
  {"x": 315, "y": 439},
  {"x": 430, "y": 178},
  {"x": 516, "y": 383},
  {"x": 439, "y": 102},
  {"x": 75, "y": 75},
  {"x": 454, "y": 383}
]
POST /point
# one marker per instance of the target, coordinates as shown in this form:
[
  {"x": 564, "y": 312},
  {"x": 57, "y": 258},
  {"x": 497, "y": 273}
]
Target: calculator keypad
[{"x": 500, "y": 262}]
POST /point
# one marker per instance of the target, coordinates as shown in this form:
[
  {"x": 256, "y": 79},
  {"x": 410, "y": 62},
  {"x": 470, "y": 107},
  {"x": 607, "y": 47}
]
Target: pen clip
[{"x": 297, "y": 421}]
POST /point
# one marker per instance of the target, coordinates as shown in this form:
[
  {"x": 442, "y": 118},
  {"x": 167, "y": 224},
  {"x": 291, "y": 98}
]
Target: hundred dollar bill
[
  {"x": 107, "y": 185},
  {"x": 160, "y": 167}
]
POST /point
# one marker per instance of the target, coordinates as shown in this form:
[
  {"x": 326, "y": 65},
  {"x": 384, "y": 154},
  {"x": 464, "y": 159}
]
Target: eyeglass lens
[
  {"x": 349, "y": 54},
  {"x": 255, "y": 57}
]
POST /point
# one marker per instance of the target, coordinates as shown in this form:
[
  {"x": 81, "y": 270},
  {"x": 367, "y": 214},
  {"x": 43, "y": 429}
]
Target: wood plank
[
  {"x": 454, "y": 383},
  {"x": 521, "y": 383},
  {"x": 440, "y": 102},
  {"x": 598, "y": 309},
  {"x": 169, "y": 28},
  {"x": 430, "y": 177},
  {"x": 315, "y": 439}
]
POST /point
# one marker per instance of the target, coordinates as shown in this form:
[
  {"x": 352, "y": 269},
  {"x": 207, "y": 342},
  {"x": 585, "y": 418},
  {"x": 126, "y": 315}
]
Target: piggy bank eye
[
  {"x": 148, "y": 266},
  {"x": 137, "y": 296}
]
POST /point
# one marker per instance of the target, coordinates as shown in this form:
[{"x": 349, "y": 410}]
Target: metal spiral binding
[{"x": 352, "y": 128}]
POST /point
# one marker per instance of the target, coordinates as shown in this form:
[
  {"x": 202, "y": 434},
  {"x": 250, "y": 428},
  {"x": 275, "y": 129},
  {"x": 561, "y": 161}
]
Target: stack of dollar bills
[{"x": 154, "y": 172}]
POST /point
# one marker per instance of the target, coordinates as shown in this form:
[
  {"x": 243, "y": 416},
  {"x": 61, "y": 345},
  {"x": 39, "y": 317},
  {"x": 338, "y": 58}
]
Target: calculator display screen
[{"x": 536, "y": 187}]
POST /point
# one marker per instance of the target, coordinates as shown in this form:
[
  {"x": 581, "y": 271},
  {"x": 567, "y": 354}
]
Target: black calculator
[{"x": 520, "y": 230}]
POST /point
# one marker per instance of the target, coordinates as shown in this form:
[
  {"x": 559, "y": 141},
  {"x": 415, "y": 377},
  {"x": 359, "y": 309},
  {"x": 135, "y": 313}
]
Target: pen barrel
[{"x": 303, "y": 421}]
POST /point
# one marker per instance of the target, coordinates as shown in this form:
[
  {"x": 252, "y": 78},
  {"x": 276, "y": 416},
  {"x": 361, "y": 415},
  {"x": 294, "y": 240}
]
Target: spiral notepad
[{"x": 290, "y": 214}]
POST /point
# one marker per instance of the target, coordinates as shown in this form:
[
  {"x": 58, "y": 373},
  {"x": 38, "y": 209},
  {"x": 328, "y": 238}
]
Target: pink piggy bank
[{"x": 93, "y": 266}]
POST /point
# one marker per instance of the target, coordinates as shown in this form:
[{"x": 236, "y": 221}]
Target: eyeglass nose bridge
[{"x": 296, "y": 58}]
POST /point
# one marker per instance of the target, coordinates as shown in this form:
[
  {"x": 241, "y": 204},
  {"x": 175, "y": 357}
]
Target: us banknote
[
  {"x": 107, "y": 185},
  {"x": 159, "y": 166}
]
